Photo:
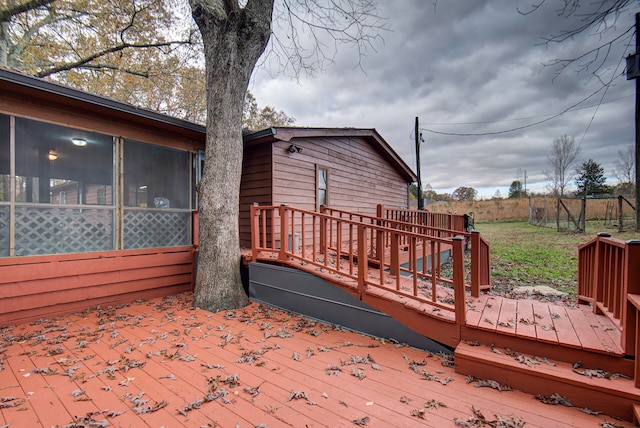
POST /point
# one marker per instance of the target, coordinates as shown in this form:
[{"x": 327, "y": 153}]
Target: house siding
[
  {"x": 256, "y": 186},
  {"x": 359, "y": 176},
  {"x": 44, "y": 286}
]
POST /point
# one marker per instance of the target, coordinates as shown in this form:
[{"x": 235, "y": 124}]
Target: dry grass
[{"x": 501, "y": 210}]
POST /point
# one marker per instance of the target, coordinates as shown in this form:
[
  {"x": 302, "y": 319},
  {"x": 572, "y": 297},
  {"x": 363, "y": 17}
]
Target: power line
[
  {"x": 488, "y": 122},
  {"x": 613, "y": 77},
  {"x": 471, "y": 134}
]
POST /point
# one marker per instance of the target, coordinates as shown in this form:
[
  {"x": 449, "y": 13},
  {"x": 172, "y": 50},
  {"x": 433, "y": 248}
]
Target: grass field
[{"x": 526, "y": 255}]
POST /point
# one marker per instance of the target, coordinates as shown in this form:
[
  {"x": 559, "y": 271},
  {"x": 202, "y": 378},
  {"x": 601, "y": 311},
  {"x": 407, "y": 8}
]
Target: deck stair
[
  {"x": 614, "y": 395},
  {"x": 529, "y": 345}
]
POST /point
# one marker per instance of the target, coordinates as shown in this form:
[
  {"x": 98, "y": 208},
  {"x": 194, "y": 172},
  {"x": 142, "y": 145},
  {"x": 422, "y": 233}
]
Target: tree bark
[{"x": 234, "y": 38}]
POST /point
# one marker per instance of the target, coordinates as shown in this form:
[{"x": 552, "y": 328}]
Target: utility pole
[
  {"x": 418, "y": 138},
  {"x": 633, "y": 73}
]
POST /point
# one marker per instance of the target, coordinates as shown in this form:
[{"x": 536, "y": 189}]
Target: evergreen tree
[
  {"x": 591, "y": 179},
  {"x": 515, "y": 190}
]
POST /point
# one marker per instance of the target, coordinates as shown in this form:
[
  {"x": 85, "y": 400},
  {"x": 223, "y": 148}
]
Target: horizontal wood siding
[
  {"x": 95, "y": 120},
  {"x": 359, "y": 176},
  {"x": 256, "y": 186},
  {"x": 45, "y": 286}
]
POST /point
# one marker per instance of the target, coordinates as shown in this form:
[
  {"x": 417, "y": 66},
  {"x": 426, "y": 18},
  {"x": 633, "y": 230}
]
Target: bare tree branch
[
  {"x": 308, "y": 33},
  {"x": 600, "y": 19},
  {"x": 19, "y": 8}
]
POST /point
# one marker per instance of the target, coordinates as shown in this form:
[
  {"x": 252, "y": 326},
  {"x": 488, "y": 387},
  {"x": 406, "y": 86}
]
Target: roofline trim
[
  {"x": 288, "y": 133},
  {"x": 57, "y": 89}
]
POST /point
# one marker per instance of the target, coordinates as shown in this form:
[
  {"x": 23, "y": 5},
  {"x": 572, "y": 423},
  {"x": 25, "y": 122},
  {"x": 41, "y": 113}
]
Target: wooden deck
[{"x": 163, "y": 363}]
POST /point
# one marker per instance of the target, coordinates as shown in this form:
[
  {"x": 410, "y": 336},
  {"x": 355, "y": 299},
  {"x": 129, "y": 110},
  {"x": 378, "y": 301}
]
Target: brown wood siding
[
  {"x": 46, "y": 286},
  {"x": 80, "y": 117},
  {"x": 359, "y": 176},
  {"x": 256, "y": 186}
]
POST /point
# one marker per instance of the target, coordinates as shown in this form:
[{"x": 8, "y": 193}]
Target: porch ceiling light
[
  {"x": 79, "y": 142},
  {"x": 52, "y": 155}
]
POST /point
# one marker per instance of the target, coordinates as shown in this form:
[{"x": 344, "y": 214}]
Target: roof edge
[
  {"x": 18, "y": 78},
  {"x": 288, "y": 133}
]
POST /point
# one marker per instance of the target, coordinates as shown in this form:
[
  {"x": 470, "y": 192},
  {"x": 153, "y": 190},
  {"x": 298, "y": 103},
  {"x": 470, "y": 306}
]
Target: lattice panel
[
  {"x": 156, "y": 228},
  {"x": 44, "y": 230},
  {"x": 5, "y": 212}
]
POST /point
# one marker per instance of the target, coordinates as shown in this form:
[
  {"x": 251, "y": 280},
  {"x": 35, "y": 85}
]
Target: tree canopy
[
  {"x": 591, "y": 179},
  {"x": 515, "y": 190},
  {"x": 255, "y": 118},
  {"x": 464, "y": 194}
]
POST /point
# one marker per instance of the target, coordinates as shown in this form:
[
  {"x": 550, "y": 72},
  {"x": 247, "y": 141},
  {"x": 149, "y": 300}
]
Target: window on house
[
  {"x": 322, "y": 180},
  {"x": 157, "y": 196},
  {"x": 51, "y": 159},
  {"x": 58, "y": 173}
]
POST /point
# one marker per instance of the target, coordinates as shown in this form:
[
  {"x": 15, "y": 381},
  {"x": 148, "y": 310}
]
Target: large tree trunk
[{"x": 234, "y": 38}]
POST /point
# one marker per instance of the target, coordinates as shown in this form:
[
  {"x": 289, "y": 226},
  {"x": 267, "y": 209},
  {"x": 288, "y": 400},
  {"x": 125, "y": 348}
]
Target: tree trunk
[{"x": 234, "y": 38}]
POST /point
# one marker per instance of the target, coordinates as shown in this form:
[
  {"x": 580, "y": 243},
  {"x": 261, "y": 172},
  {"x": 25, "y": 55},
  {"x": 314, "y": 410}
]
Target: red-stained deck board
[
  {"x": 507, "y": 321},
  {"x": 545, "y": 331},
  {"x": 564, "y": 327},
  {"x": 593, "y": 331},
  {"x": 607, "y": 333},
  {"x": 152, "y": 332},
  {"x": 490, "y": 314},
  {"x": 526, "y": 321},
  {"x": 474, "y": 310}
]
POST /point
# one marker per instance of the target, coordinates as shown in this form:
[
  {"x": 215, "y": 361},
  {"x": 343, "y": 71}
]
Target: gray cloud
[{"x": 468, "y": 68}]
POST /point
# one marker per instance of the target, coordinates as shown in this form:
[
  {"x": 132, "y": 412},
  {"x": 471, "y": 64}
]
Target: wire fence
[{"x": 571, "y": 214}]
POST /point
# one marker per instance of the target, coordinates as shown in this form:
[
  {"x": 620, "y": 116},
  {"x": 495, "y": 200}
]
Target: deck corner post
[
  {"x": 284, "y": 223},
  {"x": 255, "y": 231},
  {"x": 458, "y": 280},
  {"x": 631, "y": 282}
]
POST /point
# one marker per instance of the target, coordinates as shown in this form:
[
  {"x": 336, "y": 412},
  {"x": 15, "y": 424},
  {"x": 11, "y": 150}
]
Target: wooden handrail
[
  {"x": 416, "y": 221},
  {"x": 448, "y": 221},
  {"x": 346, "y": 247},
  {"x": 608, "y": 273}
]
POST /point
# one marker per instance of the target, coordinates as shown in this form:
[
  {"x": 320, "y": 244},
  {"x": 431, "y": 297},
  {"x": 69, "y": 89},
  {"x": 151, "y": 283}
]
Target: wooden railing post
[
  {"x": 458, "y": 280},
  {"x": 598, "y": 277},
  {"x": 394, "y": 262},
  {"x": 284, "y": 224},
  {"x": 363, "y": 263},
  {"x": 475, "y": 263},
  {"x": 195, "y": 229},
  {"x": 255, "y": 231},
  {"x": 323, "y": 229},
  {"x": 631, "y": 278}
]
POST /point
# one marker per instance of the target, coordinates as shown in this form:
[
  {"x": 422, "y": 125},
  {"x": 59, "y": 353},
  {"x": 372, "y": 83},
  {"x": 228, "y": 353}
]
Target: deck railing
[
  {"x": 479, "y": 254},
  {"x": 609, "y": 280},
  {"x": 457, "y": 222},
  {"x": 343, "y": 247}
]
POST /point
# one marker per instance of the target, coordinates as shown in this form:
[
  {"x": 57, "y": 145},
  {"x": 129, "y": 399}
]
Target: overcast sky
[{"x": 470, "y": 67}]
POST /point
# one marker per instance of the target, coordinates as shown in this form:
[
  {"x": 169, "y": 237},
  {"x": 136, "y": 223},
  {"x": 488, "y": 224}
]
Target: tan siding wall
[{"x": 256, "y": 186}]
